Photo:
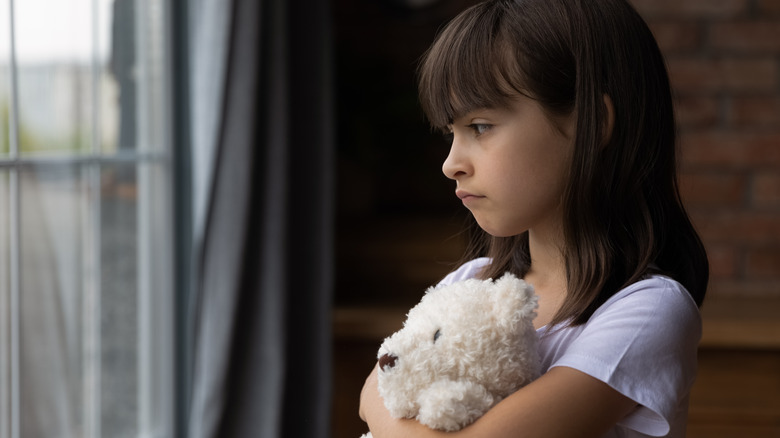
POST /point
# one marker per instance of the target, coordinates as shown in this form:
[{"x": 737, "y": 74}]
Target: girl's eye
[
  {"x": 448, "y": 138},
  {"x": 480, "y": 128},
  {"x": 436, "y": 336}
]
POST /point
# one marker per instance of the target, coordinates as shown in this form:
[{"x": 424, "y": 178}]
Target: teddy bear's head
[{"x": 471, "y": 339}]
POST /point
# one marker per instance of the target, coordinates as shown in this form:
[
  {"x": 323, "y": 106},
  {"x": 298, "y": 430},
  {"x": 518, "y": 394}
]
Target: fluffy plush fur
[{"x": 462, "y": 349}]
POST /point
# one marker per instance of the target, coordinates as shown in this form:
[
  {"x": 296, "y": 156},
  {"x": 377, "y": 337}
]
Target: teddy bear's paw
[{"x": 451, "y": 405}]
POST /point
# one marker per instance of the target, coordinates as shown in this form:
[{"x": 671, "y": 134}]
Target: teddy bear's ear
[{"x": 513, "y": 298}]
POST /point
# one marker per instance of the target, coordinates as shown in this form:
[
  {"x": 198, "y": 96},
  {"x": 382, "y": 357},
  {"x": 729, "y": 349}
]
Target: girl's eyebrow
[
  {"x": 489, "y": 111},
  {"x": 481, "y": 113}
]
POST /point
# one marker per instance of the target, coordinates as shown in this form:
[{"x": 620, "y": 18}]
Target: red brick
[
  {"x": 746, "y": 36},
  {"x": 724, "y": 261},
  {"x": 766, "y": 189},
  {"x": 731, "y": 149},
  {"x": 737, "y": 228},
  {"x": 690, "y": 75},
  {"x": 673, "y": 37},
  {"x": 763, "y": 263},
  {"x": 712, "y": 189},
  {"x": 697, "y": 111},
  {"x": 755, "y": 111},
  {"x": 769, "y": 6},
  {"x": 691, "y": 8}
]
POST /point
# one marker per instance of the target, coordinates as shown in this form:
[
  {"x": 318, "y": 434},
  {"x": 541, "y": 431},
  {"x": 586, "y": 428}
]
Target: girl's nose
[{"x": 456, "y": 164}]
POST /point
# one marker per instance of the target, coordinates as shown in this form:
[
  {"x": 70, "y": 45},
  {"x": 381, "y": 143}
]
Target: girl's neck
[
  {"x": 547, "y": 274},
  {"x": 546, "y": 251}
]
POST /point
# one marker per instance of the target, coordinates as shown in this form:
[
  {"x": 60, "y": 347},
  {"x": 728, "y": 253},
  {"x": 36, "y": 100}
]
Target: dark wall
[{"x": 395, "y": 207}]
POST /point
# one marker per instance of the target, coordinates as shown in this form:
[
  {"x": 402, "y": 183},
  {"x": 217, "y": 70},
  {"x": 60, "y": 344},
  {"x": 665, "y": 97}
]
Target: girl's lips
[{"x": 466, "y": 196}]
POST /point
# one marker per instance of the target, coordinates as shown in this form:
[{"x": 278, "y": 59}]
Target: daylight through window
[{"x": 85, "y": 219}]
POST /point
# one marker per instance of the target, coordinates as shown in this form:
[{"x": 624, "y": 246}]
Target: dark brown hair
[{"x": 623, "y": 214}]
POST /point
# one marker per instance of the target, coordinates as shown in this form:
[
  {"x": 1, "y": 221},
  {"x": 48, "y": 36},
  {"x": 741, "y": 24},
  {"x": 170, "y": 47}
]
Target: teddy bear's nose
[{"x": 387, "y": 360}]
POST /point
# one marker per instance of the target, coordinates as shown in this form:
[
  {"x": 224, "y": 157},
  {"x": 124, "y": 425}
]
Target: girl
[{"x": 563, "y": 150}]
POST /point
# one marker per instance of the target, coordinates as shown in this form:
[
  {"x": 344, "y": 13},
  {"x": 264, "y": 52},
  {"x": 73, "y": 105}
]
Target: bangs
[{"x": 469, "y": 66}]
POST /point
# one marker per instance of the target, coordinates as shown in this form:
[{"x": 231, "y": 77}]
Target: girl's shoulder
[
  {"x": 465, "y": 271},
  {"x": 659, "y": 290},
  {"x": 656, "y": 307}
]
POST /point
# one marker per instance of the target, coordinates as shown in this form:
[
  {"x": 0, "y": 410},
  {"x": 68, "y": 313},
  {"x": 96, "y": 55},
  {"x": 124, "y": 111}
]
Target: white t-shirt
[{"x": 642, "y": 342}]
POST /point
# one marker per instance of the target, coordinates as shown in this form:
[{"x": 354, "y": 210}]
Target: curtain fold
[{"x": 262, "y": 328}]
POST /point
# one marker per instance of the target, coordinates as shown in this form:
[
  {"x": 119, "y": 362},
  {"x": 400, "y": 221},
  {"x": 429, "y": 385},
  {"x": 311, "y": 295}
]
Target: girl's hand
[{"x": 369, "y": 396}]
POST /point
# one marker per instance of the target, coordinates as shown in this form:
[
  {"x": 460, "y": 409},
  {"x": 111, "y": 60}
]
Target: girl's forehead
[{"x": 463, "y": 86}]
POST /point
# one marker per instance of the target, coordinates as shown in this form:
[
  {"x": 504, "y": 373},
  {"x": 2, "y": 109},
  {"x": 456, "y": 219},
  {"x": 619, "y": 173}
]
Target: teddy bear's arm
[{"x": 452, "y": 405}]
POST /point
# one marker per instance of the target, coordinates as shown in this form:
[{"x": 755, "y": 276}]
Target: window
[{"x": 86, "y": 283}]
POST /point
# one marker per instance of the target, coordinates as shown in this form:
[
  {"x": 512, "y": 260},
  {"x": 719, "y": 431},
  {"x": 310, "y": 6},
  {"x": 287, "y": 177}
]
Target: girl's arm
[{"x": 563, "y": 402}]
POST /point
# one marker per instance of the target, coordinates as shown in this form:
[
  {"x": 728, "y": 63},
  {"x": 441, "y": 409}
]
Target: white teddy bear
[{"x": 462, "y": 349}]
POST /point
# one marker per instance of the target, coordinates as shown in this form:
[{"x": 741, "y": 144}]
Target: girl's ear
[{"x": 609, "y": 120}]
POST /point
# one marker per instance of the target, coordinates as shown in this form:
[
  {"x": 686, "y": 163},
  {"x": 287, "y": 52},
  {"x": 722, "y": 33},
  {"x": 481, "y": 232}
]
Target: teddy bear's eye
[{"x": 436, "y": 335}]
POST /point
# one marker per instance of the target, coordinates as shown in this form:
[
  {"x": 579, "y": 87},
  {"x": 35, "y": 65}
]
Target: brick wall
[{"x": 724, "y": 63}]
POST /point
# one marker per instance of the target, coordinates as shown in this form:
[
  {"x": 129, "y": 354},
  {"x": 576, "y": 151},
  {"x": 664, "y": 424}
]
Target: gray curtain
[{"x": 262, "y": 320}]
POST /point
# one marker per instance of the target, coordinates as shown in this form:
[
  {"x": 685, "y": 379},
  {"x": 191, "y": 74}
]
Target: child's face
[{"x": 511, "y": 166}]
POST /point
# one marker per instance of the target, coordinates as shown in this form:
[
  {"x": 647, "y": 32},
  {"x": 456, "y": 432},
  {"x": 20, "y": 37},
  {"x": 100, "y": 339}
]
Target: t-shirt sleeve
[{"x": 643, "y": 342}]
